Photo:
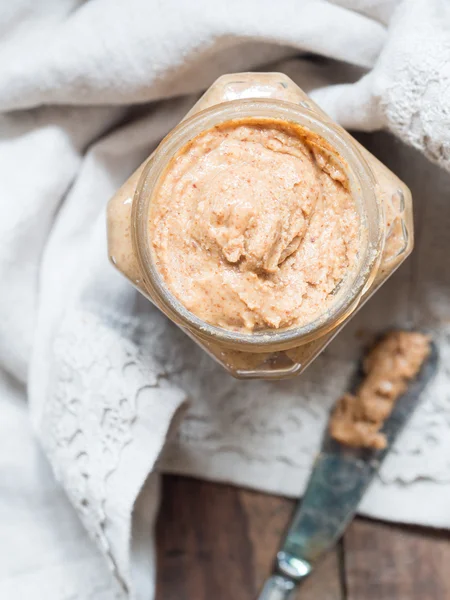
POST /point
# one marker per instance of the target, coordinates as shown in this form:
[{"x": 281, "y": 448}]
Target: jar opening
[{"x": 361, "y": 185}]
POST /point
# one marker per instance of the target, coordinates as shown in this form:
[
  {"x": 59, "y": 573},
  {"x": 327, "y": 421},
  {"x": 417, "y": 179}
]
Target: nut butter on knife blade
[{"x": 342, "y": 473}]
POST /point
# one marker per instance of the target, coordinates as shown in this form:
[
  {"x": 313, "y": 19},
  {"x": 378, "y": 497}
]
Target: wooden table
[{"x": 218, "y": 542}]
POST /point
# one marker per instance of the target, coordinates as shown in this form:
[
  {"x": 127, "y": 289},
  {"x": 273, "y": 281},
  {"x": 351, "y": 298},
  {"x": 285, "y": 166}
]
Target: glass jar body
[{"x": 269, "y": 358}]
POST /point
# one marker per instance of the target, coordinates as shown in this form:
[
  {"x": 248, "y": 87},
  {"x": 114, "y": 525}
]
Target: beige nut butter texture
[
  {"x": 389, "y": 367},
  {"x": 253, "y": 227}
]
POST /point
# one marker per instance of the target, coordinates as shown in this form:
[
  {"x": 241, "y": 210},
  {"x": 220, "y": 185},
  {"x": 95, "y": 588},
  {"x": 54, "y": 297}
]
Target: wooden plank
[
  {"x": 218, "y": 542},
  {"x": 393, "y": 562}
]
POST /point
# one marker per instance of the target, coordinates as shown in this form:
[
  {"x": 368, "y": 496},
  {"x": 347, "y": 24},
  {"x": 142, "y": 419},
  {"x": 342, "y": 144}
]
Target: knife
[{"x": 337, "y": 484}]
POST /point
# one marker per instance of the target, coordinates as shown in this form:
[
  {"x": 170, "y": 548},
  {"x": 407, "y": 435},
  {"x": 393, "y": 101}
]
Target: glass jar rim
[{"x": 362, "y": 185}]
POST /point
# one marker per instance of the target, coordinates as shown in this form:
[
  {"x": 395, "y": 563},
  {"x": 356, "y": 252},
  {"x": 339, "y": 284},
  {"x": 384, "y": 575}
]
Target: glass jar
[{"x": 383, "y": 202}]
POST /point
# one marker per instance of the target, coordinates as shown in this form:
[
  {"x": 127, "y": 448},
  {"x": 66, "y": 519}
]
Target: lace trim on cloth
[
  {"x": 413, "y": 79},
  {"x": 101, "y": 385},
  {"x": 236, "y": 435}
]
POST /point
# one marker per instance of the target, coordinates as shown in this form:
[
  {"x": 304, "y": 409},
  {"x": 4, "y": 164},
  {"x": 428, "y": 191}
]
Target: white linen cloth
[{"x": 84, "y": 98}]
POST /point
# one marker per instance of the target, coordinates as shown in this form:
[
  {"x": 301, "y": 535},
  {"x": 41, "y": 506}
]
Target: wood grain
[
  {"x": 218, "y": 542},
  {"x": 393, "y": 562}
]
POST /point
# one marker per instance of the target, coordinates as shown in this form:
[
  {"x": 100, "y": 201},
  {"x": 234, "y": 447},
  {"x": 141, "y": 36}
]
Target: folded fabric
[{"x": 116, "y": 393}]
